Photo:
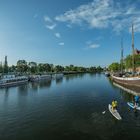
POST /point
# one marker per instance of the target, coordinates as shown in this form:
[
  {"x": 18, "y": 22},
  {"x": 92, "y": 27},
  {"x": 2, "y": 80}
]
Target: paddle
[{"x": 103, "y": 112}]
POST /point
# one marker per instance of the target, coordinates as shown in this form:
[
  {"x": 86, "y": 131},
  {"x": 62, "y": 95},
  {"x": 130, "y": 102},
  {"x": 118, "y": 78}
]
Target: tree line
[
  {"x": 22, "y": 66},
  {"x": 127, "y": 63}
]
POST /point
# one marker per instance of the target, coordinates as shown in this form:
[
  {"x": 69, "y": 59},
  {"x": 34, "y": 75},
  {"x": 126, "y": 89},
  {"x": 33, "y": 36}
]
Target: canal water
[{"x": 66, "y": 109}]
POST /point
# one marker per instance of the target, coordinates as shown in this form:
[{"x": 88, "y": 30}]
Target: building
[{"x": 137, "y": 52}]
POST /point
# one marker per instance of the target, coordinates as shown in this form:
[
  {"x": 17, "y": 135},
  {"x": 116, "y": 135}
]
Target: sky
[{"x": 64, "y": 32}]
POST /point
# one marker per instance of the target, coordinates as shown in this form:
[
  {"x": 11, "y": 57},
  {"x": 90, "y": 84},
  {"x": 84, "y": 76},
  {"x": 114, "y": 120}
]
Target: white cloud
[
  {"x": 49, "y": 23},
  {"x": 93, "y": 46},
  {"x": 104, "y": 14},
  {"x": 58, "y": 35},
  {"x": 61, "y": 44},
  {"x": 51, "y": 27}
]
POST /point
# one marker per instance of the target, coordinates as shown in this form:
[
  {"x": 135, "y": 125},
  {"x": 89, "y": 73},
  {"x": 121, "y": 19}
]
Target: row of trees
[
  {"x": 23, "y": 66},
  {"x": 127, "y": 63}
]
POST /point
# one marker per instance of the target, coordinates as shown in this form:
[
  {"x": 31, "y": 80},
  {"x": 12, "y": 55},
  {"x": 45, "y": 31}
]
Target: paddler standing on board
[
  {"x": 114, "y": 104},
  {"x": 136, "y": 101}
]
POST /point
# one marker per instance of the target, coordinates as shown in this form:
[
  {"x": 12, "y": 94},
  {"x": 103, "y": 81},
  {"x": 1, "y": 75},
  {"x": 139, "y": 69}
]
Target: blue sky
[{"x": 64, "y": 32}]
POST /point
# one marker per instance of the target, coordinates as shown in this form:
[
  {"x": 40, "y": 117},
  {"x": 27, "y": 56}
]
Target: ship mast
[
  {"x": 133, "y": 51},
  {"x": 122, "y": 56}
]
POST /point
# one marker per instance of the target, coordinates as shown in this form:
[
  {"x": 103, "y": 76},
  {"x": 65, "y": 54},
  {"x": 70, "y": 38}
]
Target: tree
[
  {"x": 22, "y": 66},
  {"x": 137, "y": 60},
  {"x": 47, "y": 67},
  {"x": 114, "y": 67},
  {"x": 92, "y": 69},
  {"x": 99, "y": 69},
  {"x": 66, "y": 68},
  {"x": 52, "y": 67},
  {"x": 40, "y": 67},
  {"x": 59, "y": 68},
  {"x": 71, "y": 67},
  {"x": 33, "y": 67},
  {"x": 5, "y": 65},
  {"x": 128, "y": 62},
  {"x": 1, "y": 68},
  {"x": 12, "y": 68}
]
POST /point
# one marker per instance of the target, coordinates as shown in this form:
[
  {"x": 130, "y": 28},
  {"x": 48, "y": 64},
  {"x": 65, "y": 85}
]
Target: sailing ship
[{"x": 132, "y": 80}]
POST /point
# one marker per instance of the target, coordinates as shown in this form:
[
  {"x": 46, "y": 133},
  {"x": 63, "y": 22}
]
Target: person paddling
[
  {"x": 114, "y": 104},
  {"x": 136, "y": 101}
]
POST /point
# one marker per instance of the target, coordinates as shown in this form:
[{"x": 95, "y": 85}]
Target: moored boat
[
  {"x": 7, "y": 81},
  {"x": 107, "y": 74},
  {"x": 36, "y": 78},
  {"x": 132, "y": 81},
  {"x": 58, "y": 76}
]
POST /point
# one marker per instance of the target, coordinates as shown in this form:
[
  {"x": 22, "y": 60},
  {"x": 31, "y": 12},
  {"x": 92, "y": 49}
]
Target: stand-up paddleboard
[
  {"x": 133, "y": 106},
  {"x": 115, "y": 113}
]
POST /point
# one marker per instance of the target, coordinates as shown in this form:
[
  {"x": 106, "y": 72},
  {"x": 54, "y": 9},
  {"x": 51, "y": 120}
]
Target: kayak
[
  {"x": 115, "y": 113},
  {"x": 132, "y": 105}
]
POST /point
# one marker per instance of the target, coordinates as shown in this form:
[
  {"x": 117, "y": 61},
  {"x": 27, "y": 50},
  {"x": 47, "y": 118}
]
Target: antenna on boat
[
  {"x": 133, "y": 51},
  {"x": 122, "y": 55}
]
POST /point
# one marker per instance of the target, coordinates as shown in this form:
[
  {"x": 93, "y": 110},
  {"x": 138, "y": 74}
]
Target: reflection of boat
[
  {"x": 129, "y": 89},
  {"x": 12, "y": 80},
  {"x": 58, "y": 76}
]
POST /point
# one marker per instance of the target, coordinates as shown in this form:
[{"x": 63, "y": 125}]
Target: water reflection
[
  {"x": 92, "y": 74},
  {"x": 6, "y": 95},
  {"x": 59, "y": 81},
  {"x": 40, "y": 84},
  {"x": 73, "y": 76},
  {"x": 126, "y": 96},
  {"x": 43, "y": 84},
  {"x": 23, "y": 90},
  {"x": 34, "y": 86},
  {"x": 127, "y": 88}
]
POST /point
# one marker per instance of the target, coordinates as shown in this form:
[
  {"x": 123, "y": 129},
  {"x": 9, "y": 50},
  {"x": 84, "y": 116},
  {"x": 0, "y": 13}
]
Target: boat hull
[
  {"x": 10, "y": 84},
  {"x": 132, "y": 81}
]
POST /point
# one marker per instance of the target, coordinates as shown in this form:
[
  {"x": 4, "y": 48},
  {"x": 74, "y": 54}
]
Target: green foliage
[
  {"x": 59, "y": 68},
  {"x": 47, "y": 67},
  {"x": 137, "y": 60},
  {"x": 99, "y": 69},
  {"x": 128, "y": 62},
  {"x": 1, "y": 68},
  {"x": 40, "y": 67},
  {"x": 12, "y": 68},
  {"x": 92, "y": 69},
  {"x": 114, "y": 67},
  {"x": 5, "y": 69},
  {"x": 32, "y": 67},
  {"x": 22, "y": 66},
  {"x": 44, "y": 67}
]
